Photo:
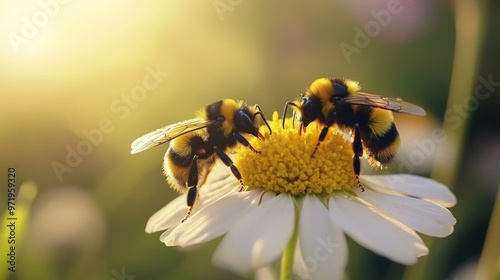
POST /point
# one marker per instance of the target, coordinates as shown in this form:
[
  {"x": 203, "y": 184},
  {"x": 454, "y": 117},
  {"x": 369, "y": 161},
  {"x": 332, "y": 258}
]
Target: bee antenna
[
  {"x": 288, "y": 103},
  {"x": 261, "y": 114}
]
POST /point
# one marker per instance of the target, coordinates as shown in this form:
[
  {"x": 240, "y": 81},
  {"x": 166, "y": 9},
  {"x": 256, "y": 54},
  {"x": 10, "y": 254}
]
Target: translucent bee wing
[
  {"x": 388, "y": 103},
  {"x": 167, "y": 133}
]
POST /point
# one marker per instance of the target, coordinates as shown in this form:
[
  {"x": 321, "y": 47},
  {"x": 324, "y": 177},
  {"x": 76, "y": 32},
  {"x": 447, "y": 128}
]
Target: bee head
[
  {"x": 243, "y": 122},
  {"x": 310, "y": 110}
]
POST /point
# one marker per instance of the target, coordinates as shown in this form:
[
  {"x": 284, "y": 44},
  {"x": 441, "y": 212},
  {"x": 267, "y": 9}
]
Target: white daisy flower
[{"x": 299, "y": 208}]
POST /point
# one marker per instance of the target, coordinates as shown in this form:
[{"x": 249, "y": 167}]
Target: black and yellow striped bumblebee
[
  {"x": 368, "y": 117},
  {"x": 195, "y": 143}
]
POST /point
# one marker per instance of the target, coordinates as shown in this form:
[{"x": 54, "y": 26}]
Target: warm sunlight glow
[{"x": 45, "y": 38}]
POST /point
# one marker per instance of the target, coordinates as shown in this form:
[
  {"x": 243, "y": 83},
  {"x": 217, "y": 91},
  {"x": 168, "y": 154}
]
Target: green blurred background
[{"x": 71, "y": 69}]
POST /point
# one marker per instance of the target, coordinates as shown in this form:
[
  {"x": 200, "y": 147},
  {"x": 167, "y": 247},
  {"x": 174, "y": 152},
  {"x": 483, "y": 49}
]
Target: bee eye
[
  {"x": 310, "y": 109},
  {"x": 243, "y": 122}
]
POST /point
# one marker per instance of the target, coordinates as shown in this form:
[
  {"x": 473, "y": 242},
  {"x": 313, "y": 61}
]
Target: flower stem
[
  {"x": 289, "y": 252},
  {"x": 488, "y": 267}
]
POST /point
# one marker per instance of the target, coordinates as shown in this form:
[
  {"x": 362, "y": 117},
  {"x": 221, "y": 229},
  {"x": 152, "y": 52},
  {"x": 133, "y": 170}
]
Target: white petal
[
  {"x": 421, "y": 215},
  {"x": 322, "y": 242},
  {"x": 212, "y": 221},
  {"x": 411, "y": 185},
  {"x": 169, "y": 216},
  {"x": 266, "y": 273},
  {"x": 259, "y": 237},
  {"x": 299, "y": 266},
  {"x": 219, "y": 183},
  {"x": 380, "y": 234}
]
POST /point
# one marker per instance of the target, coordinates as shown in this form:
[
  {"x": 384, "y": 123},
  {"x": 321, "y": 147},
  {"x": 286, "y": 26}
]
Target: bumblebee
[
  {"x": 368, "y": 117},
  {"x": 196, "y": 143}
]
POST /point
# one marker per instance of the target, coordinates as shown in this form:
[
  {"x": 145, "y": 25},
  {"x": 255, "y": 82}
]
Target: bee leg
[
  {"x": 245, "y": 142},
  {"x": 192, "y": 185},
  {"x": 191, "y": 198},
  {"x": 229, "y": 163},
  {"x": 328, "y": 122},
  {"x": 357, "y": 147}
]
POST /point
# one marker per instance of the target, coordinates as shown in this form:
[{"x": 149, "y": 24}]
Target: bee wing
[
  {"x": 167, "y": 133},
  {"x": 388, "y": 103}
]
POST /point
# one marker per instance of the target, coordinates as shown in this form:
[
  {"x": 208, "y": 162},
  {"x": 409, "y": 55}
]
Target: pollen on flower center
[{"x": 286, "y": 164}]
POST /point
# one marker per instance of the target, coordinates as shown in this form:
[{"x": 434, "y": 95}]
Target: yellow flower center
[{"x": 286, "y": 163}]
